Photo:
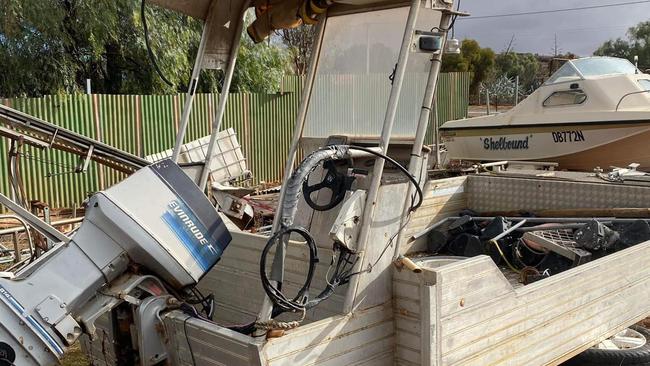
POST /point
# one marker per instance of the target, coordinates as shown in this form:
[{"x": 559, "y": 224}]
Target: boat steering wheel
[{"x": 333, "y": 181}]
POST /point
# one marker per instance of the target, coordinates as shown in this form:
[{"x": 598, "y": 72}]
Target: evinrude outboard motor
[{"x": 153, "y": 232}]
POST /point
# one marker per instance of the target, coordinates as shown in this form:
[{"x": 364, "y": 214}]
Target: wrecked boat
[{"x": 345, "y": 275}]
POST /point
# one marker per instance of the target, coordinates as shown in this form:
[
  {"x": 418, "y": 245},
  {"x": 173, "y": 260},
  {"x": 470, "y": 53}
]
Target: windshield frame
[
  {"x": 567, "y": 64},
  {"x": 580, "y": 73}
]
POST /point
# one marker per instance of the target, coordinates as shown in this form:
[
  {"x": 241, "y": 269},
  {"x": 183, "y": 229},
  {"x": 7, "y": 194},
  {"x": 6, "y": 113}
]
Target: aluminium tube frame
[
  {"x": 267, "y": 305},
  {"x": 25, "y": 227},
  {"x": 223, "y": 99},
  {"x": 47, "y": 230},
  {"x": 415, "y": 163},
  {"x": 384, "y": 142},
  {"x": 191, "y": 91}
]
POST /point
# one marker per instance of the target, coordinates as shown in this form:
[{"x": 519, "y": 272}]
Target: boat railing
[{"x": 627, "y": 95}]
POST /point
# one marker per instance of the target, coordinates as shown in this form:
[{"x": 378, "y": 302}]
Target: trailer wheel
[{"x": 630, "y": 347}]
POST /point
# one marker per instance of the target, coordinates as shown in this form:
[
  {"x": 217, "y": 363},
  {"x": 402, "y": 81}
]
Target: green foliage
[
  {"x": 488, "y": 68},
  {"x": 479, "y": 61},
  {"x": 53, "y": 46},
  {"x": 524, "y": 65},
  {"x": 260, "y": 67},
  {"x": 636, "y": 44}
]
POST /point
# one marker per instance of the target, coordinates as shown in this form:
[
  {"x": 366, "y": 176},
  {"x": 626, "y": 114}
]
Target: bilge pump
[{"x": 152, "y": 235}]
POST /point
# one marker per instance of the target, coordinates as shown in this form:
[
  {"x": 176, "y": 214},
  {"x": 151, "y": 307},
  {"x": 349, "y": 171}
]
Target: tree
[
  {"x": 526, "y": 66},
  {"x": 636, "y": 44},
  {"x": 53, "y": 46},
  {"x": 479, "y": 61},
  {"x": 299, "y": 44},
  {"x": 260, "y": 67}
]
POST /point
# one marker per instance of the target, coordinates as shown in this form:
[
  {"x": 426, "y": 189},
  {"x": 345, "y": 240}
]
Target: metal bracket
[
  {"x": 52, "y": 309},
  {"x": 151, "y": 332},
  {"x": 108, "y": 299},
  {"x": 82, "y": 167},
  {"x": 56, "y": 132}
]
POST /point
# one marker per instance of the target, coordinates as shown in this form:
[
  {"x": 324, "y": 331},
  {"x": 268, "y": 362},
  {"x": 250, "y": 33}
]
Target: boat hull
[{"x": 573, "y": 146}]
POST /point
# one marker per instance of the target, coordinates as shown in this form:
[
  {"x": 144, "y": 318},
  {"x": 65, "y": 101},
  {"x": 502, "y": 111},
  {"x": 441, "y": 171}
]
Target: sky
[{"x": 580, "y": 32}]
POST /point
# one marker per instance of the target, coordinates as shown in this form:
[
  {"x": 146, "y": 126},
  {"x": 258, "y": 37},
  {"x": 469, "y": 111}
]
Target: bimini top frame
[
  {"x": 205, "y": 10},
  {"x": 220, "y": 40},
  {"x": 415, "y": 6}
]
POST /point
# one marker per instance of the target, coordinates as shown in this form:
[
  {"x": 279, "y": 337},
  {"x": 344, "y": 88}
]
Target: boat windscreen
[
  {"x": 567, "y": 72},
  {"x": 352, "y": 85},
  {"x": 591, "y": 66},
  {"x": 603, "y": 66}
]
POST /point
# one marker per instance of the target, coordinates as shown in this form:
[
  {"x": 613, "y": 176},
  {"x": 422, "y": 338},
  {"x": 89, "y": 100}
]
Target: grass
[{"x": 75, "y": 357}]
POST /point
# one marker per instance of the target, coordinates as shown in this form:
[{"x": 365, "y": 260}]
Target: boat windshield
[{"x": 589, "y": 67}]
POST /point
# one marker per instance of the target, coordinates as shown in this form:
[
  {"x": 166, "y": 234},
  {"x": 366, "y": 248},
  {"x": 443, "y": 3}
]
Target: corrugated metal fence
[{"x": 143, "y": 125}]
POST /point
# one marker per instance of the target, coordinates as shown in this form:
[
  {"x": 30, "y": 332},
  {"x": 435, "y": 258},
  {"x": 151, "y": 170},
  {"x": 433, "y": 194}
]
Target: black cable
[
  {"x": 152, "y": 57},
  {"x": 189, "y": 345},
  {"x": 519, "y": 259},
  {"x": 401, "y": 168},
  {"x": 453, "y": 20},
  {"x": 344, "y": 265},
  {"x": 391, "y": 77},
  {"x": 559, "y": 10},
  {"x": 297, "y": 304}
]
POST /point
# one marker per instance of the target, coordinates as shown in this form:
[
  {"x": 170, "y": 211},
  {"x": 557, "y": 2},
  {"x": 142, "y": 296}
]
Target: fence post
[
  {"x": 517, "y": 90},
  {"x": 98, "y": 134},
  {"x": 487, "y": 101},
  {"x": 138, "y": 125}
]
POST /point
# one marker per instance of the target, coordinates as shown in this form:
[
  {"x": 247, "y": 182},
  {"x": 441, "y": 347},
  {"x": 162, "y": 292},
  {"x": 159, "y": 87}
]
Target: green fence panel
[
  {"x": 143, "y": 125},
  {"x": 452, "y": 100}
]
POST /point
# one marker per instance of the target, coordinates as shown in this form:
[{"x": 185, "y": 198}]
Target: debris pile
[{"x": 536, "y": 248}]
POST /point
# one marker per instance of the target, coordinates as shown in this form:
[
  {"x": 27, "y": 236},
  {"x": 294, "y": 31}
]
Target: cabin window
[
  {"x": 566, "y": 97},
  {"x": 645, "y": 84}
]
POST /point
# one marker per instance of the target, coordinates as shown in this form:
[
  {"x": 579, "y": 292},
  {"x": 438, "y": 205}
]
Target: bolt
[
  {"x": 51, "y": 297},
  {"x": 62, "y": 306}
]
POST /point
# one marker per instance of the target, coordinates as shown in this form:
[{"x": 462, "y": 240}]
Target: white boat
[{"x": 592, "y": 112}]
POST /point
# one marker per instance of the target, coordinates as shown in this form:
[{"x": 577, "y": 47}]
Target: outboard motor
[{"x": 152, "y": 234}]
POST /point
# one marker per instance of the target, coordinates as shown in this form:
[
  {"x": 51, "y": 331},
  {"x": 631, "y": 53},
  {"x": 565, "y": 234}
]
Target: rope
[{"x": 279, "y": 325}]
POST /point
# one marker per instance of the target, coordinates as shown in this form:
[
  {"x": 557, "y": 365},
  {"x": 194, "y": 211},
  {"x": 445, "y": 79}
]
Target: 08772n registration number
[{"x": 568, "y": 136}]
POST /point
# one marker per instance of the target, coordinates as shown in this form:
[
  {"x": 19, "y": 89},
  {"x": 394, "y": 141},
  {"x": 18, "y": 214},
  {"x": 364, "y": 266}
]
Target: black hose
[{"x": 152, "y": 57}]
